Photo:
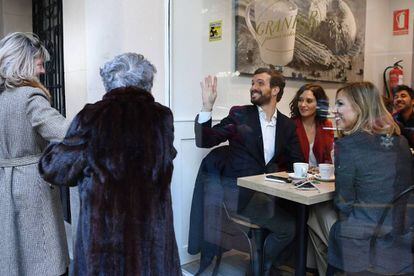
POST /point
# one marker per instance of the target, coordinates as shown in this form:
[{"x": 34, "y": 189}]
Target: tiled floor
[{"x": 233, "y": 263}]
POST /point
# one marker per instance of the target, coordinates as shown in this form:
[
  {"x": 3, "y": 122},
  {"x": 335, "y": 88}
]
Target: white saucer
[
  {"x": 293, "y": 177},
  {"x": 318, "y": 177}
]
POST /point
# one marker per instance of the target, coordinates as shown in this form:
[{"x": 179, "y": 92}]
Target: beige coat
[{"x": 32, "y": 234}]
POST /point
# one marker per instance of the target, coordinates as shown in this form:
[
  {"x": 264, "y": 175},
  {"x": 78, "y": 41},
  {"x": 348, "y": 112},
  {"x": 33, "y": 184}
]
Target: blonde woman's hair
[
  {"x": 18, "y": 52},
  {"x": 373, "y": 117}
]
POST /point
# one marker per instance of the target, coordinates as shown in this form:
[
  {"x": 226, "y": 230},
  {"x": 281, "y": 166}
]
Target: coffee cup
[
  {"x": 275, "y": 30},
  {"x": 300, "y": 169},
  {"x": 326, "y": 171}
]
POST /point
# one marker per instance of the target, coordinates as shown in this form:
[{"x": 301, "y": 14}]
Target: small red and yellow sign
[{"x": 215, "y": 31}]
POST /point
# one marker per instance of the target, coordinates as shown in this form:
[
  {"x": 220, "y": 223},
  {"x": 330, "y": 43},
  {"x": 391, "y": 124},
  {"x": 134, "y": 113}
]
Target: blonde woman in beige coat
[{"x": 32, "y": 234}]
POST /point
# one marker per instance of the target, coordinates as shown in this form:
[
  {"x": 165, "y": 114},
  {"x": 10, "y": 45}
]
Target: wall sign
[
  {"x": 309, "y": 40},
  {"x": 215, "y": 31},
  {"x": 400, "y": 22}
]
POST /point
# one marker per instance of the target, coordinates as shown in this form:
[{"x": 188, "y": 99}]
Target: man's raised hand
[{"x": 208, "y": 92}]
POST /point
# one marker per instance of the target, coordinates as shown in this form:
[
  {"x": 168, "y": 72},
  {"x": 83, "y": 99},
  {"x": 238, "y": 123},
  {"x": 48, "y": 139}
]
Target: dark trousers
[{"x": 263, "y": 211}]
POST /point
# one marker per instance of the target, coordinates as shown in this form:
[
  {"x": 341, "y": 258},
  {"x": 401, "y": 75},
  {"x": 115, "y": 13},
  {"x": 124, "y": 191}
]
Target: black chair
[
  {"x": 402, "y": 234},
  {"x": 214, "y": 217},
  {"x": 254, "y": 234},
  {"x": 236, "y": 232}
]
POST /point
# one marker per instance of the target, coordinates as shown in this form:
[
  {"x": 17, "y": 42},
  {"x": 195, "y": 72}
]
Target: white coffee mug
[
  {"x": 326, "y": 171},
  {"x": 300, "y": 169},
  {"x": 275, "y": 29}
]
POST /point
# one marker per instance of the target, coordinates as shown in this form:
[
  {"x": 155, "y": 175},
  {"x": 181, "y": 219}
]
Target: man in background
[{"x": 404, "y": 113}]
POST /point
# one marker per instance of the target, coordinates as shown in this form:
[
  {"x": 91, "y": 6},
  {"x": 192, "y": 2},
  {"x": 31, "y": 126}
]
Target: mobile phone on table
[
  {"x": 276, "y": 178},
  {"x": 305, "y": 186}
]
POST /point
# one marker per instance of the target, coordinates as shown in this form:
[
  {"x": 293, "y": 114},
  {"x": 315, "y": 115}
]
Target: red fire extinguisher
[{"x": 395, "y": 78}]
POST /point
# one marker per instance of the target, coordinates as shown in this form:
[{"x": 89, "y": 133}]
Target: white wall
[
  {"x": 382, "y": 48},
  {"x": 74, "y": 50},
  {"x": 97, "y": 30},
  {"x": 114, "y": 27},
  {"x": 15, "y": 16},
  {"x": 401, "y": 46}
]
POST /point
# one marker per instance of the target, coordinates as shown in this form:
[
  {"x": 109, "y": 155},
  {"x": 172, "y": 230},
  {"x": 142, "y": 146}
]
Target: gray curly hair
[{"x": 128, "y": 69}]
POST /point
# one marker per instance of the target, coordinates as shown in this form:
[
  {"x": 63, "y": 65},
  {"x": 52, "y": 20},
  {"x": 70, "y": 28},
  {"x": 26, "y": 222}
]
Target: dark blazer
[
  {"x": 119, "y": 151},
  {"x": 407, "y": 127},
  {"x": 370, "y": 171},
  {"x": 323, "y": 143},
  {"x": 241, "y": 128},
  {"x": 243, "y": 157}
]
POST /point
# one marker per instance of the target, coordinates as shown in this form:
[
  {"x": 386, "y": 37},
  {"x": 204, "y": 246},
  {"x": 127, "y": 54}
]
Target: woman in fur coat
[{"x": 119, "y": 151}]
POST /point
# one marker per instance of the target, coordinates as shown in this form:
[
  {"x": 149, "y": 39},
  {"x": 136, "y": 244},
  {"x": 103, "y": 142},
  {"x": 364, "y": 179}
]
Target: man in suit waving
[{"x": 261, "y": 140}]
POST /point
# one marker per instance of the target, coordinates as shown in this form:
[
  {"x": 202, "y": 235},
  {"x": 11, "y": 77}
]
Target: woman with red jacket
[{"x": 309, "y": 109}]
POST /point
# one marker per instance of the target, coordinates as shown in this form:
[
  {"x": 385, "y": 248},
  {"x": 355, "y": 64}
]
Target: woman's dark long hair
[{"x": 322, "y": 102}]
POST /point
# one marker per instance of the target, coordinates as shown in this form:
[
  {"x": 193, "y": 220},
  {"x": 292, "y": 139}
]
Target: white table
[
  {"x": 287, "y": 191},
  {"x": 304, "y": 198}
]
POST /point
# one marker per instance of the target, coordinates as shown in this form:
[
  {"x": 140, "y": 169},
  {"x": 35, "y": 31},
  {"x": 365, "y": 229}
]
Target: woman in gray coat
[
  {"x": 372, "y": 166},
  {"x": 32, "y": 235}
]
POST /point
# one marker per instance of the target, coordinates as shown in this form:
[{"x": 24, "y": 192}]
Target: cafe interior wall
[
  {"x": 193, "y": 57},
  {"x": 15, "y": 15},
  {"x": 97, "y": 30},
  {"x": 192, "y": 49}
]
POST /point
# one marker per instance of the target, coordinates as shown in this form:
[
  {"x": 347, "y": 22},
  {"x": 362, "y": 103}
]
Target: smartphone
[{"x": 276, "y": 178}]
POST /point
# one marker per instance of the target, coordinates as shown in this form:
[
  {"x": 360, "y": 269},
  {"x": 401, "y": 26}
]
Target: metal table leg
[
  {"x": 302, "y": 239},
  {"x": 258, "y": 237}
]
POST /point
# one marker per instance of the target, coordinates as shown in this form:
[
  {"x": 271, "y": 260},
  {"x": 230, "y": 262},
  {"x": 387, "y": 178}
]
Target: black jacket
[
  {"x": 241, "y": 128},
  {"x": 370, "y": 171},
  {"x": 407, "y": 127}
]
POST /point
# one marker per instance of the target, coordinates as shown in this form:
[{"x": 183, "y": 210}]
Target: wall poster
[{"x": 307, "y": 39}]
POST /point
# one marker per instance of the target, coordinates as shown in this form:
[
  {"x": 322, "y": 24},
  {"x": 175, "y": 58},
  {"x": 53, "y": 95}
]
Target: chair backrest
[
  {"x": 218, "y": 230},
  {"x": 401, "y": 238}
]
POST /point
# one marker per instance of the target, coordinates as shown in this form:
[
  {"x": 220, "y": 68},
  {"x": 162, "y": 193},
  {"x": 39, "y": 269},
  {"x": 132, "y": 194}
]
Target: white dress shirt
[{"x": 268, "y": 131}]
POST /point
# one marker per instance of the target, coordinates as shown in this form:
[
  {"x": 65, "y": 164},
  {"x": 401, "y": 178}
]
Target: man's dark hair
[
  {"x": 276, "y": 79},
  {"x": 399, "y": 88}
]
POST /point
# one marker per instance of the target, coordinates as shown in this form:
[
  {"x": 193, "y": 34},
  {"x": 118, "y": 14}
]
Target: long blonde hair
[
  {"x": 373, "y": 117},
  {"x": 18, "y": 52}
]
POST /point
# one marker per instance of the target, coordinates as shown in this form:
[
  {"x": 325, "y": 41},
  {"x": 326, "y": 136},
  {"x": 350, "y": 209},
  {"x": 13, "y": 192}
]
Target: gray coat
[
  {"x": 370, "y": 171},
  {"x": 32, "y": 234}
]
